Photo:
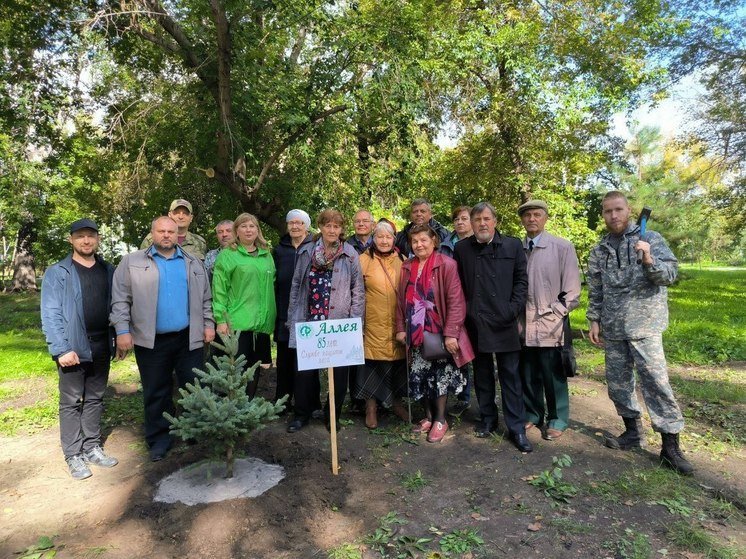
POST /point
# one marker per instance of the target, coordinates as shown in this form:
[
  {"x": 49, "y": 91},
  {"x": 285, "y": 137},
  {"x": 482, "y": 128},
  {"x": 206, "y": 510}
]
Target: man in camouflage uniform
[
  {"x": 628, "y": 308},
  {"x": 181, "y": 212}
]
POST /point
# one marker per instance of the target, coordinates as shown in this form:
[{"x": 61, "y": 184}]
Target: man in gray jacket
[
  {"x": 162, "y": 307},
  {"x": 628, "y": 308},
  {"x": 553, "y": 291},
  {"x": 75, "y": 301}
]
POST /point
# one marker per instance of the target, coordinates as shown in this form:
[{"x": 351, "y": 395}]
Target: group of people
[{"x": 440, "y": 310}]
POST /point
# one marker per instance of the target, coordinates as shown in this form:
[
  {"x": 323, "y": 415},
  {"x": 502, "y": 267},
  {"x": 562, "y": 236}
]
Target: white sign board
[{"x": 329, "y": 343}]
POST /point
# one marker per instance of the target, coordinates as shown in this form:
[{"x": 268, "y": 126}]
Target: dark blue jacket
[
  {"x": 402, "y": 237},
  {"x": 62, "y": 319},
  {"x": 285, "y": 256}
]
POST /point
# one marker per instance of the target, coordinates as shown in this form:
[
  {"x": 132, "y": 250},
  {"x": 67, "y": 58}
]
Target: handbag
[
  {"x": 567, "y": 352},
  {"x": 433, "y": 347}
]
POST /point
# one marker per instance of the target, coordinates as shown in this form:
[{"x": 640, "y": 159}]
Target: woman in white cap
[{"x": 285, "y": 256}]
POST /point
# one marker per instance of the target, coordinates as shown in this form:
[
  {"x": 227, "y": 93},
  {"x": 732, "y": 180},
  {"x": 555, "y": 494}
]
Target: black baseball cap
[{"x": 83, "y": 224}]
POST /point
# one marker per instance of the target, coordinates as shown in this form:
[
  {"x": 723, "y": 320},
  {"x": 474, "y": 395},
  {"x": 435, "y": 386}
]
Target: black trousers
[
  {"x": 82, "y": 400},
  {"x": 308, "y": 386},
  {"x": 510, "y": 388},
  {"x": 287, "y": 367},
  {"x": 170, "y": 353},
  {"x": 255, "y": 346}
]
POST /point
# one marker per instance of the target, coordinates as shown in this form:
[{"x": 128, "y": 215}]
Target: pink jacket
[{"x": 449, "y": 301}]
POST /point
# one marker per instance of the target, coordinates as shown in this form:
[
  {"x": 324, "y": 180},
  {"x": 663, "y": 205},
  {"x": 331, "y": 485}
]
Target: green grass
[
  {"x": 30, "y": 419},
  {"x": 694, "y": 538},
  {"x": 707, "y": 312},
  {"x": 654, "y": 484},
  {"x": 23, "y": 352},
  {"x": 23, "y": 355}
]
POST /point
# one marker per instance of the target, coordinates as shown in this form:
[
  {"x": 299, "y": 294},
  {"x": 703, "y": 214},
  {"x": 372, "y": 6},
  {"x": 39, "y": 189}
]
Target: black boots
[
  {"x": 671, "y": 455},
  {"x": 631, "y": 438}
]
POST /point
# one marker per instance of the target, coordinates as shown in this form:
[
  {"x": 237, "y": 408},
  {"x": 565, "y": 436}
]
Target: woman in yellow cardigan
[{"x": 383, "y": 377}]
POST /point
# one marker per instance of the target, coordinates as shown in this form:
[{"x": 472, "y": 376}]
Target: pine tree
[{"x": 216, "y": 409}]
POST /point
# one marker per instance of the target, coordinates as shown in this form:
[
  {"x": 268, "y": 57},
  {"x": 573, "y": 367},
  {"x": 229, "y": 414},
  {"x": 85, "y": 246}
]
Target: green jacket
[{"x": 243, "y": 287}]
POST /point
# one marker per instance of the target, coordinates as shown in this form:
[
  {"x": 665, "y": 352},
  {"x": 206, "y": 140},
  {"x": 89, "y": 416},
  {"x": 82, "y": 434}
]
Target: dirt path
[{"x": 466, "y": 483}]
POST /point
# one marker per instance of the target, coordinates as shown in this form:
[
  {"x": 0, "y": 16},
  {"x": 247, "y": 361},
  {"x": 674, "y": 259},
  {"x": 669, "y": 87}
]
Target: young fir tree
[{"x": 216, "y": 409}]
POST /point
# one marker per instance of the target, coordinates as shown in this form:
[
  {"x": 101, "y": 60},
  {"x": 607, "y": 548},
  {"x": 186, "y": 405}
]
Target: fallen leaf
[
  {"x": 534, "y": 527},
  {"x": 628, "y": 503}
]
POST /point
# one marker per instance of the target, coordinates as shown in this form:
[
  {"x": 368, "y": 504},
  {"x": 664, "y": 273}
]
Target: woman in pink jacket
[{"x": 431, "y": 300}]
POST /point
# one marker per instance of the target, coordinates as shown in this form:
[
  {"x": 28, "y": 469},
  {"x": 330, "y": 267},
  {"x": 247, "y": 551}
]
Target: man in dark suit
[{"x": 493, "y": 275}]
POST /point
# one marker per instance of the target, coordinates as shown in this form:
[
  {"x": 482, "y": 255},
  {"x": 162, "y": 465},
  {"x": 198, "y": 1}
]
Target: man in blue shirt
[
  {"x": 75, "y": 300},
  {"x": 162, "y": 307}
]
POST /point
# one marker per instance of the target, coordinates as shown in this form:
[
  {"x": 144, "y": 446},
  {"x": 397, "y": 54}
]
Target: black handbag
[
  {"x": 433, "y": 347},
  {"x": 569, "y": 363}
]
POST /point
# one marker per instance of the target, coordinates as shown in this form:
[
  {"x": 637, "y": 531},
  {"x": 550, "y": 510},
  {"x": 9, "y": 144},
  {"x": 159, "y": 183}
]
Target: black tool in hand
[{"x": 642, "y": 221}]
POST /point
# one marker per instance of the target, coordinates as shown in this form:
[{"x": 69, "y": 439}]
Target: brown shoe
[
  {"x": 371, "y": 413},
  {"x": 552, "y": 434},
  {"x": 400, "y": 411}
]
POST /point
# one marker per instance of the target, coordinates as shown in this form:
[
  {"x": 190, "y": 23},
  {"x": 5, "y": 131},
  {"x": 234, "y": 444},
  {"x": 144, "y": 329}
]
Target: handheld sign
[
  {"x": 329, "y": 343},
  {"x": 326, "y": 344}
]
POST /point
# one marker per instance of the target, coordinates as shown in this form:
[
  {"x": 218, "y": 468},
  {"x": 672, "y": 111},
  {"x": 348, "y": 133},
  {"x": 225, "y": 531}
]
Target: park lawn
[
  {"x": 707, "y": 318},
  {"x": 28, "y": 376}
]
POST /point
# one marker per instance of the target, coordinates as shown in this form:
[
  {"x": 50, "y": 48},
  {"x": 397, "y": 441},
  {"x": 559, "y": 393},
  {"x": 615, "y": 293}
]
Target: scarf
[
  {"x": 323, "y": 259},
  {"x": 420, "y": 306}
]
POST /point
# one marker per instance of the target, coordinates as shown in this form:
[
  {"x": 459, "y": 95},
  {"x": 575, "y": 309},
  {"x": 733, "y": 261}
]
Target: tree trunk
[
  {"x": 230, "y": 459},
  {"x": 24, "y": 270},
  {"x": 363, "y": 157}
]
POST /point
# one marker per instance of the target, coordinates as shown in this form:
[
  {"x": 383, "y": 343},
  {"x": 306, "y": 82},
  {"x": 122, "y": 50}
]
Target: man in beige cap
[
  {"x": 553, "y": 291},
  {"x": 181, "y": 212}
]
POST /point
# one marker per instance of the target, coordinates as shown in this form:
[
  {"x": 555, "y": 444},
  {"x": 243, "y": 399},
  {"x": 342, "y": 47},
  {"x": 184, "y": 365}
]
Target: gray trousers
[
  {"x": 646, "y": 355},
  {"x": 82, "y": 400}
]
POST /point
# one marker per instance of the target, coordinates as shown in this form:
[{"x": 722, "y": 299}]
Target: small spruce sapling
[{"x": 216, "y": 409}]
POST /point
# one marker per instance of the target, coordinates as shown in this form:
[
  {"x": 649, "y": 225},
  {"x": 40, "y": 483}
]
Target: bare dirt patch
[{"x": 464, "y": 484}]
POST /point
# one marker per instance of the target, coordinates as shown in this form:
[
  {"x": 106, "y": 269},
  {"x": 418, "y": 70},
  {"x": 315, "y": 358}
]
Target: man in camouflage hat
[
  {"x": 181, "y": 212},
  {"x": 628, "y": 308}
]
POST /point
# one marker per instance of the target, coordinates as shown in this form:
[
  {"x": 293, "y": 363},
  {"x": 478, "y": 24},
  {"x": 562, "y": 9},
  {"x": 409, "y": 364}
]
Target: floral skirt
[{"x": 432, "y": 379}]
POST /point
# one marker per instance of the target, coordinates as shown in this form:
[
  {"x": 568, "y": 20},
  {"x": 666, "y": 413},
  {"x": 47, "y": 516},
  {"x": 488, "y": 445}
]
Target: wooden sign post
[{"x": 326, "y": 344}]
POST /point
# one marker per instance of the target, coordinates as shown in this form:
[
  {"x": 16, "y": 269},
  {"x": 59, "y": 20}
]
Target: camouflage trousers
[{"x": 645, "y": 355}]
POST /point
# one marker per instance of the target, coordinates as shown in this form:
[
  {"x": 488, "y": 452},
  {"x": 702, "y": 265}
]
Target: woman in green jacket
[{"x": 243, "y": 294}]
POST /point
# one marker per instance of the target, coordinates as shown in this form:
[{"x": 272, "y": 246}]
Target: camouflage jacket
[
  {"x": 193, "y": 244},
  {"x": 630, "y": 300}
]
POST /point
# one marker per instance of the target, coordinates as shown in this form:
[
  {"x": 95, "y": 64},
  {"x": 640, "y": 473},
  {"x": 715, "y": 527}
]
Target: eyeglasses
[
  {"x": 296, "y": 223},
  {"x": 362, "y": 221}
]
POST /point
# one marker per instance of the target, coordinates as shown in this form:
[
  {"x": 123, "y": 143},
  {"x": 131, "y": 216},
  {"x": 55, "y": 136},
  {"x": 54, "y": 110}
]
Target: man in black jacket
[
  {"x": 493, "y": 274},
  {"x": 420, "y": 213}
]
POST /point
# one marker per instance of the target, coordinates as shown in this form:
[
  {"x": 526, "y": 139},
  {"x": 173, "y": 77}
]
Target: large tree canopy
[{"x": 113, "y": 108}]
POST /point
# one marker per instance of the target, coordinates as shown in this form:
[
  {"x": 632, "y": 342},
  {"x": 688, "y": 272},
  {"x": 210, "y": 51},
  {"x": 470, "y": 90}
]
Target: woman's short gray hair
[{"x": 385, "y": 226}]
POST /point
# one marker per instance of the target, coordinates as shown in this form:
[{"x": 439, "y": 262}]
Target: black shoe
[
  {"x": 521, "y": 442},
  {"x": 484, "y": 429},
  {"x": 296, "y": 425},
  {"x": 458, "y": 408},
  {"x": 329, "y": 426},
  {"x": 159, "y": 451},
  {"x": 672, "y": 457},
  {"x": 631, "y": 438}
]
